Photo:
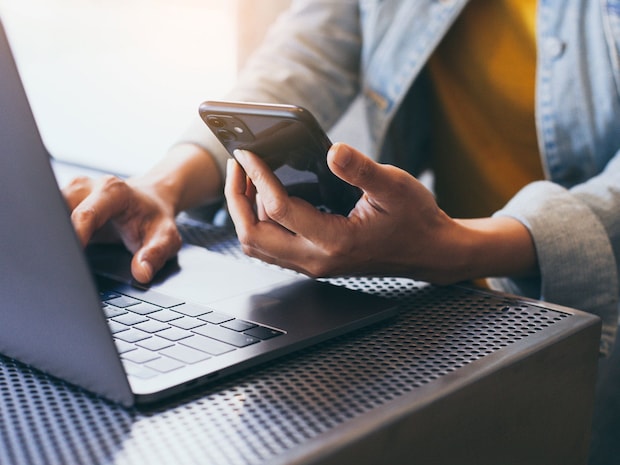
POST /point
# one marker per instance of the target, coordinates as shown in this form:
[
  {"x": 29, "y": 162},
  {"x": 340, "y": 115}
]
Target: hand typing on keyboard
[{"x": 141, "y": 211}]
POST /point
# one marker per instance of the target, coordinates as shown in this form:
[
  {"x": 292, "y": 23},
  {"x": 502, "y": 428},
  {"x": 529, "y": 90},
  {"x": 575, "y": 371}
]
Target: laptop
[{"x": 77, "y": 315}]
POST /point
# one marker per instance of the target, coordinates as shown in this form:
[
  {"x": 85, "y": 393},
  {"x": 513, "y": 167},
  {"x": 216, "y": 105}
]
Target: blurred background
[{"x": 113, "y": 83}]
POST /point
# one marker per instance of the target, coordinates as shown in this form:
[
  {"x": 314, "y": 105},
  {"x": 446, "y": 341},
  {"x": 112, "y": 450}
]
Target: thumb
[
  {"x": 154, "y": 253},
  {"x": 357, "y": 169},
  {"x": 142, "y": 270}
]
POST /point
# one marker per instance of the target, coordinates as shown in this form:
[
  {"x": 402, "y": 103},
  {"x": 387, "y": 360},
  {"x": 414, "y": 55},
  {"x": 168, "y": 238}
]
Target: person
[{"x": 513, "y": 106}]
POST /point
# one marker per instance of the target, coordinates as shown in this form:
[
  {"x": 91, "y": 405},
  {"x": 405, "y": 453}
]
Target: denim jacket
[{"x": 321, "y": 54}]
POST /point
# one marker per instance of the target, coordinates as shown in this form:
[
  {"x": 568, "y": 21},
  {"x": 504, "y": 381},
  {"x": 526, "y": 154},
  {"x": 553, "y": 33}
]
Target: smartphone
[{"x": 290, "y": 140}]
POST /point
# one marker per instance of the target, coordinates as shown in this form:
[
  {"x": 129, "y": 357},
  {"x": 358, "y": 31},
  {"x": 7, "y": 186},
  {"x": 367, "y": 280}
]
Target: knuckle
[
  {"x": 365, "y": 170},
  {"x": 78, "y": 187},
  {"x": 161, "y": 252},
  {"x": 401, "y": 180},
  {"x": 318, "y": 270},
  {"x": 243, "y": 237},
  {"x": 112, "y": 183},
  {"x": 247, "y": 250},
  {"x": 84, "y": 215},
  {"x": 170, "y": 239},
  {"x": 332, "y": 260},
  {"x": 165, "y": 247},
  {"x": 276, "y": 208},
  {"x": 248, "y": 246},
  {"x": 175, "y": 239},
  {"x": 79, "y": 182},
  {"x": 336, "y": 257},
  {"x": 338, "y": 250},
  {"x": 247, "y": 243},
  {"x": 314, "y": 272}
]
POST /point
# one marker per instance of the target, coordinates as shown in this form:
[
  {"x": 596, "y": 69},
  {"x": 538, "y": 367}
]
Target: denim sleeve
[
  {"x": 576, "y": 233},
  {"x": 310, "y": 57}
]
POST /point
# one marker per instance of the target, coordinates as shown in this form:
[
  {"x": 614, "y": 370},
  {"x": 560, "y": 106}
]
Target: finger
[
  {"x": 106, "y": 200},
  {"x": 246, "y": 208},
  {"x": 274, "y": 244},
  {"x": 76, "y": 191},
  {"x": 156, "y": 250},
  {"x": 292, "y": 213},
  {"x": 379, "y": 182},
  {"x": 260, "y": 210},
  {"x": 237, "y": 197},
  {"x": 284, "y": 258},
  {"x": 258, "y": 237}
]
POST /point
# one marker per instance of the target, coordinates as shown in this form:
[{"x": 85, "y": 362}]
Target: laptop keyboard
[{"x": 156, "y": 334}]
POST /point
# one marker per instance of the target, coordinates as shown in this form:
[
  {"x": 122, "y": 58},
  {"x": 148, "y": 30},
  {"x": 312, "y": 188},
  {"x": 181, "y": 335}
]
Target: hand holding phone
[{"x": 290, "y": 140}]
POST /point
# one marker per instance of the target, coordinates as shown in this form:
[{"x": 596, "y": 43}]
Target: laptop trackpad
[{"x": 195, "y": 274}]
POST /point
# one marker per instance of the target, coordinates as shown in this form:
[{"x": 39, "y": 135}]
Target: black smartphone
[{"x": 290, "y": 140}]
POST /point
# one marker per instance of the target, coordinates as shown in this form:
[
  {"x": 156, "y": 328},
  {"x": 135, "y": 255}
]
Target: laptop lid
[
  {"x": 51, "y": 312},
  {"x": 45, "y": 272}
]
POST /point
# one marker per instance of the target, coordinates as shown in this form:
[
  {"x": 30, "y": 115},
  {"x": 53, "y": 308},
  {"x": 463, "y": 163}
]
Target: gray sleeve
[
  {"x": 310, "y": 57},
  {"x": 576, "y": 233}
]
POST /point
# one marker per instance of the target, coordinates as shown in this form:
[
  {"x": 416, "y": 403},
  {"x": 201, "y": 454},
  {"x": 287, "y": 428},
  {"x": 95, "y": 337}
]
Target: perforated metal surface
[{"x": 262, "y": 413}]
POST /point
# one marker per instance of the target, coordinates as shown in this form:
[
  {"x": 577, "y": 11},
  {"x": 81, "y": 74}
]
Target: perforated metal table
[{"x": 460, "y": 376}]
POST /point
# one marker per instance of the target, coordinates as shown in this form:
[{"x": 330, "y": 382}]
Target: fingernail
[
  {"x": 240, "y": 154},
  {"x": 341, "y": 155},
  {"x": 147, "y": 269}
]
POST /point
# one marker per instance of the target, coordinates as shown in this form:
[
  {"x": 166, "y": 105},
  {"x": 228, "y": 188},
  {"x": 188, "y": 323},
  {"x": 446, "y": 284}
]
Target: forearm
[
  {"x": 185, "y": 178},
  {"x": 499, "y": 246}
]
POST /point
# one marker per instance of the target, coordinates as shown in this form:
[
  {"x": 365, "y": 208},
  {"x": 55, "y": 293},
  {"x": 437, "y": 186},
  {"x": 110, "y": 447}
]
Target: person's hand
[
  {"x": 396, "y": 228},
  {"x": 141, "y": 211},
  {"x": 112, "y": 209}
]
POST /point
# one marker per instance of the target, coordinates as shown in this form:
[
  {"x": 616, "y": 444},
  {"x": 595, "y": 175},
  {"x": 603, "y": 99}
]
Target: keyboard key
[
  {"x": 116, "y": 327},
  {"x": 140, "y": 355},
  {"x": 111, "y": 311},
  {"x": 238, "y": 325},
  {"x": 106, "y": 295},
  {"x": 191, "y": 309},
  {"x": 130, "y": 319},
  {"x": 165, "y": 315},
  {"x": 122, "y": 346},
  {"x": 215, "y": 318},
  {"x": 165, "y": 364},
  {"x": 174, "y": 334},
  {"x": 155, "y": 343},
  {"x": 226, "y": 335},
  {"x": 184, "y": 354},
  {"x": 187, "y": 323},
  {"x": 152, "y": 326},
  {"x": 132, "y": 335},
  {"x": 138, "y": 371},
  {"x": 144, "y": 308},
  {"x": 206, "y": 344},
  {"x": 147, "y": 295},
  {"x": 263, "y": 333},
  {"x": 122, "y": 301}
]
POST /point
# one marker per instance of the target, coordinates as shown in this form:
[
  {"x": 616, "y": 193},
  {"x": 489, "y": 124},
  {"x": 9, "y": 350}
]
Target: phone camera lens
[
  {"x": 215, "y": 122},
  {"x": 226, "y": 136}
]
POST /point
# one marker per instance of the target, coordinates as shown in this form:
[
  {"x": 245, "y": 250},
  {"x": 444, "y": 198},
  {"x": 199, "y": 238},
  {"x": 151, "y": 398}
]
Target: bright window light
[{"x": 114, "y": 83}]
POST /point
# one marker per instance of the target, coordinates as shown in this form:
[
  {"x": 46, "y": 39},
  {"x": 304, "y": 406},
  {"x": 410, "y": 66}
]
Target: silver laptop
[{"x": 81, "y": 319}]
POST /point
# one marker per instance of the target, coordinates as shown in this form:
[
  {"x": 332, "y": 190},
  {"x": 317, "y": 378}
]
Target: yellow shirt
[{"x": 484, "y": 138}]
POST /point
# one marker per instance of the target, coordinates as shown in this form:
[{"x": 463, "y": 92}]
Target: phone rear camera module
[
  {"x": 226, "y": 135},
  {"x": 215, "y": 122}
]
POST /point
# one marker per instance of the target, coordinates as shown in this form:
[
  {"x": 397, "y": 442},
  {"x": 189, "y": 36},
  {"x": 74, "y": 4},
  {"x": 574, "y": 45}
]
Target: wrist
[
  {"x": 495, "y": 247},
  {"x": 186, "y": 177}
]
